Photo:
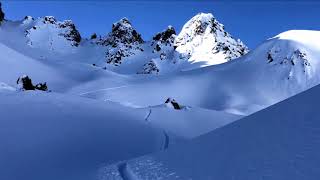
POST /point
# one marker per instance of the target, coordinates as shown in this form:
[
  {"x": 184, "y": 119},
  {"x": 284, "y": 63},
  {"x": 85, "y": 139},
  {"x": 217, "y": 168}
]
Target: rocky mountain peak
[
  {"x": 164, "y": 39},
  {"x": 122, "y": 42},
  {"x": 123, "y": 33},
  {"x": 165, "y": 35},
  {"x": 203, "y": 37}
]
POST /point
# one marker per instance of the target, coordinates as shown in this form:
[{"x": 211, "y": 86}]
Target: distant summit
[
  {"x": 122, "y": 42},
  {"x": 204, "y": 40}
]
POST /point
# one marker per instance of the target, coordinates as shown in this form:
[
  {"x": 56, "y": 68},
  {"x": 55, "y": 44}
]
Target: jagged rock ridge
[{"x": 123, "y": 41}]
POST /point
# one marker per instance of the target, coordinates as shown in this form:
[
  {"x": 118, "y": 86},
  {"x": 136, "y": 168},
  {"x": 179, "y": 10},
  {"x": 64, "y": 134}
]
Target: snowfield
[
  {"x": 117, "y": 96},
  {"x": 276, "y": 70},
  {"x": 280, "y": 142}
]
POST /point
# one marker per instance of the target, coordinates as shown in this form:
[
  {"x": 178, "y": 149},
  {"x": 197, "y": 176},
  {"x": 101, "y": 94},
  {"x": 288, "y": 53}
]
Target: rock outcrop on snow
[
  {"x": 2, "y": 15},
  {"x": 173, "y": 104},
  {"x": 149, "y": 68},
  {"x": 25, "y": 84}
]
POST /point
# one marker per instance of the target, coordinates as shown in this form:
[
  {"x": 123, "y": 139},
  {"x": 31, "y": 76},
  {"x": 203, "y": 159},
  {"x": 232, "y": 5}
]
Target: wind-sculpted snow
[{"x": 280, "y": 142}]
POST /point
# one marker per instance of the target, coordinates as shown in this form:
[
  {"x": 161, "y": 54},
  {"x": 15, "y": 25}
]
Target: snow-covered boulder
[
  {"x": 49, "y": 34},
  {"x": 122, "y": 42},
  {"x": 204, "y": 40}
]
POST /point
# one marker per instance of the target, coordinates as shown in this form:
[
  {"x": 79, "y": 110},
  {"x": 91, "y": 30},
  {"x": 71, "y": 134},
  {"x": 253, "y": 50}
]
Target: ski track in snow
[
  {"x": 166, "y": 140},
  {"x": 148, "y": 115},
  {"x": 125, "y": 172},
  {"x": 106, "y": 89}
]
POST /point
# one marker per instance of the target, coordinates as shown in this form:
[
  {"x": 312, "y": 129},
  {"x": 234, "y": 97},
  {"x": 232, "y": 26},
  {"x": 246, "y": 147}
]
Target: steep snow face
[
  {"x": 281, "y": 142},
  {"x": 49, "y": 34},
  {"x": 203, "y": 40},
  {"x": 123, "y": 41}
]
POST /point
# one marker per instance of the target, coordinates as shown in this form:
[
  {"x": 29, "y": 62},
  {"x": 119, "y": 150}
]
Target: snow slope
[
  {"x": 100, "y": 113},
  {"x": 280, "y": 142},
  {"x": 279, "y": 68},
  {"x": 53, "y": 136}
]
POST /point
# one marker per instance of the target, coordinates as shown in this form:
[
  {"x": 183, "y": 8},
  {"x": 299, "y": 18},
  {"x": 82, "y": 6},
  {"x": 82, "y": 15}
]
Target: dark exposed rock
[
  {"x": 94, "y": 36},
  {"x": 270, "y": 58},
  {"x": 165, "y": 35},
  {"x": 42, "y": 87},
  {"x": 73, "y": 34},
  {"x": 149, "y": 68},
  {"x": 174, "y": 104},
  {"x": 2, "y": 15},
  {"x": 122, "y": 33},
  {"x": 165, "y": 38},
  {"x": 122, "y": 42},
  {"x": 25, "y": 84}
]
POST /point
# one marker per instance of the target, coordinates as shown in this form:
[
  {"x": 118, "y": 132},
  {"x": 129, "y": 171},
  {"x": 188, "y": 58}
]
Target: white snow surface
[
  {"x": 276, "y": 70},
  {"x": 280, "y": 142},
  {"x": 98, "y": 113}
]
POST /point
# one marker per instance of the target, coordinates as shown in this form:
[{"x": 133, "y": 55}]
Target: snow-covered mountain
[
  {"x": 102, "y": 105},
  {"x": 49, "y": 34},
  {"x": 123, "y": 41},
  {"x": 279, "y": 68},
  {"x": 204, "y": 40}
]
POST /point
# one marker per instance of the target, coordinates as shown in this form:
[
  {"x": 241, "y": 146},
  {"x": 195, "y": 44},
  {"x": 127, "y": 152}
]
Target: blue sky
[{"x": 251, "y": 21}]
